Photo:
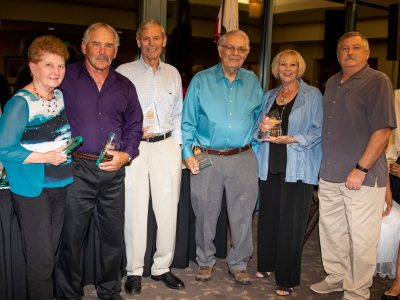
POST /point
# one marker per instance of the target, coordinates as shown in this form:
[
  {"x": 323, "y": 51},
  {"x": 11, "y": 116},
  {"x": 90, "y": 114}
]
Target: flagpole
[
  {"x": 222, "y": 16},
  {"x": 266, "y": 42}
]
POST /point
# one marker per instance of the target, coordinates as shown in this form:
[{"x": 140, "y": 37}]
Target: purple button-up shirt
[{"x": 93, "y": 114}]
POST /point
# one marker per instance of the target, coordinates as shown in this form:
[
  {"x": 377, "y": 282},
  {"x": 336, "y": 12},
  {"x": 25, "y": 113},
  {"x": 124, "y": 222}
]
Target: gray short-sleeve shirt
[{"x": 353, "y": 110}]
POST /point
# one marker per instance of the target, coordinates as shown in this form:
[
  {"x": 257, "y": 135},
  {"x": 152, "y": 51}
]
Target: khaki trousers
[
  {"x": 156, "y": 169},
  {"x": 349, "y": 228}
]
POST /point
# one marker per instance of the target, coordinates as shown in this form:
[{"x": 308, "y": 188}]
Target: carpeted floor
[{"x": 222, "y": 285}]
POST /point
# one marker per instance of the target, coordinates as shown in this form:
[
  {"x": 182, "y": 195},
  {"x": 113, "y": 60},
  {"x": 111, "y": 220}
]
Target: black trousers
[
  {"x": 395, "y": 187},
  {"x": 40, "y": 219},
  {"x": 93, "y": 189},
  {"x": 282, "y": 221}
]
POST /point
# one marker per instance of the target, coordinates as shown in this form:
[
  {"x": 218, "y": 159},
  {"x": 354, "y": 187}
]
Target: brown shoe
[
  {"x": 241, "y": 277},
  {"x": 203, "y": 273}
]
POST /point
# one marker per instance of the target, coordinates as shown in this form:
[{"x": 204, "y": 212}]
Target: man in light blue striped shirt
[{"x": 219, "y": 118}]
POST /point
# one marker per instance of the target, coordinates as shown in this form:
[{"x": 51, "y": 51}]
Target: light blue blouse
[{"x": 305, "y": 125}]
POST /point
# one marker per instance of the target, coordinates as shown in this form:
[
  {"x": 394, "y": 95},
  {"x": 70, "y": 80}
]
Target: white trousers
[
  {"x": 156, "y": 169},
  {"x": 349, "y": 227}
]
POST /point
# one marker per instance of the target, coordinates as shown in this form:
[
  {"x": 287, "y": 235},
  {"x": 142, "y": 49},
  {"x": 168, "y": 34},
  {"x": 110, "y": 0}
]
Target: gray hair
[
  {"x": 146, "y": 24},
  {"x": 354, "y": 34},
  {"x": 94, "y": 26},
  {"x": 237, "y": 32}
]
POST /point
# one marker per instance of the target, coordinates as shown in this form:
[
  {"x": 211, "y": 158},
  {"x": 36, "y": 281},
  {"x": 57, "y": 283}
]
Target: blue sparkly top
[{"x": 28, "y": 125}]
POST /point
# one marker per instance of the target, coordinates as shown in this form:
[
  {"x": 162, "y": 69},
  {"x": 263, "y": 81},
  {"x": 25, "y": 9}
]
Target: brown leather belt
[
  {"x": 157, "y": 138},
  {"x": 91, "y": 157},
  {"x": 227, "y": 152}
]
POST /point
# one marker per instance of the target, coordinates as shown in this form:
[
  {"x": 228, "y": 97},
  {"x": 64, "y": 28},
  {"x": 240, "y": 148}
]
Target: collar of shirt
[
  {"x": 357, "y": 75},
  {"x": 219, "y": 73},
  {"x": 146, "y": 67},
  {"x": 111, "y": 76}
]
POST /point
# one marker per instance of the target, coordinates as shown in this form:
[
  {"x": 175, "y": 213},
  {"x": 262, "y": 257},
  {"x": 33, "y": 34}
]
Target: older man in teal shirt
[{"x": 219, "y": 118}]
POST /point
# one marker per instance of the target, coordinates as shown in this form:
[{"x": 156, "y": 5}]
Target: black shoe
[
  {"x": 133, "y": 284},
  {"x": 112, "y": 297},
  {"x": 170, "y": 280}
]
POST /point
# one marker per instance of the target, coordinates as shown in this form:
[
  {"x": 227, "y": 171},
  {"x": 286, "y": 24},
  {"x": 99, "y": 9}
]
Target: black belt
[
  {"x": 91, "y": 157},
  {"x": 227, "y": 152},
  {"x": 157, "y": 138}
]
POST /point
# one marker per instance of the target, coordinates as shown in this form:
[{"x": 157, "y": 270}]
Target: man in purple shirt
[{"x": 98, "y": 101}]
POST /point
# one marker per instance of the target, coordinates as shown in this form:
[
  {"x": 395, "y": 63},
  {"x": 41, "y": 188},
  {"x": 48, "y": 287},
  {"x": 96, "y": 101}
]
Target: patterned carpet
[{"x": 222, "y": 286}]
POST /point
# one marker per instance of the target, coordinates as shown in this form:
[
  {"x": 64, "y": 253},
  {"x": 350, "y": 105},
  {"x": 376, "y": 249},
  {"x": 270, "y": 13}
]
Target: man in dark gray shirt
[{"x": 358, "y": 119}]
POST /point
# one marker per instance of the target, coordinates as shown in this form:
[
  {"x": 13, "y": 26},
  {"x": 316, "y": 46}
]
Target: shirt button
[
  {"x": 230, "y": 114},
  {"x": 333, "y": 101},
  {"x": 229, "y": 126},
  {"x": 330, "y": 117},
  {"x": 99, "y": 113}
]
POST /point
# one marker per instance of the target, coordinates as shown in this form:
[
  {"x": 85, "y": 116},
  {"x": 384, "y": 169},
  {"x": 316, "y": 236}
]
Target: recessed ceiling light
[{"x": 51, "y": 28}]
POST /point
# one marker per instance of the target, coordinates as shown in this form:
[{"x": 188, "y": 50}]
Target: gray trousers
[{"x": 237, "y": 174}]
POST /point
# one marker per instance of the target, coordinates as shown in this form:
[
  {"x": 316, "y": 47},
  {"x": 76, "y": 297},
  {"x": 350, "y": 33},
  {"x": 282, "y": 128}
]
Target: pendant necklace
[
  {"x": 283, "y": 98},
  {"x": 49, "y": 103}
]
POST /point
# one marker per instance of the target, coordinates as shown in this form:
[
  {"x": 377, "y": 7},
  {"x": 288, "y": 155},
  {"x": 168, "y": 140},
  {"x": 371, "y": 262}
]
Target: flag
[{"x": 227, "y": 19}]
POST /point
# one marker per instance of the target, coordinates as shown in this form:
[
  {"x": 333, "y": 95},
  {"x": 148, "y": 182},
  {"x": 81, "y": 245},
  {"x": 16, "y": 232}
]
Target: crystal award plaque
[
  {"x": 150, "y": 119},
  {"x": 275, "y": 120},
  {"x": 72, "y": 144},
  {"x": 202, "y": 157},
  {"x": 110, "y": 145}
]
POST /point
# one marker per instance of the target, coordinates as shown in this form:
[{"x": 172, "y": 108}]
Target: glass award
[
  {"x": 202, "y": 157},
  {"x": 3, "y": 178},
  {"x": 275, "y": 120},
  {"x": 110, "y": 145},
  {"x": 72, "y": 143},
  {"x": 150, "y": 119}
]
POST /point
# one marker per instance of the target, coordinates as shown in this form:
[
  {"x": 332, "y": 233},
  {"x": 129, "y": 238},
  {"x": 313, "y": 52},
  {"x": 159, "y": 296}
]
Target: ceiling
[{"x": 285, "y": 12}]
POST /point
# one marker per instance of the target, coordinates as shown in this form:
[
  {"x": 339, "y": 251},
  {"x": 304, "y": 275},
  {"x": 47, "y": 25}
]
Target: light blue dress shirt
[{"x": 218, "y": 114}]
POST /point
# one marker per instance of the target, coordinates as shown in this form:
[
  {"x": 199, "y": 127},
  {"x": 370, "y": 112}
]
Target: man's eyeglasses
[{"x": 231, "y": 49}]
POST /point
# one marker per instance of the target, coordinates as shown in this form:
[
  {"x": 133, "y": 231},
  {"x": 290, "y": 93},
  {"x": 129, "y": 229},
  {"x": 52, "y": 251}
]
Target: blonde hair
[{"x": 301, "y": 64}]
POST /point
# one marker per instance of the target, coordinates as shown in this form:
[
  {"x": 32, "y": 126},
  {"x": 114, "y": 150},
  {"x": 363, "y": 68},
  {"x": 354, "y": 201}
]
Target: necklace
[
  {"x": 283, "y": 109},
  {"x": 48, "y": 102},
  {"x": 285, "y": 95}
]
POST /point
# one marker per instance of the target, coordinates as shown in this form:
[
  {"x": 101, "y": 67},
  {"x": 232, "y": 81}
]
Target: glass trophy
[
  {"x": 3, "y": 178},
  {"x": 110, "y": 145},
  {"x": 72, "y": 143},
  {"x": 150, "y": 119},
  {"x": 275, "y": 120},
  {"x": 202, "y": 157}
]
